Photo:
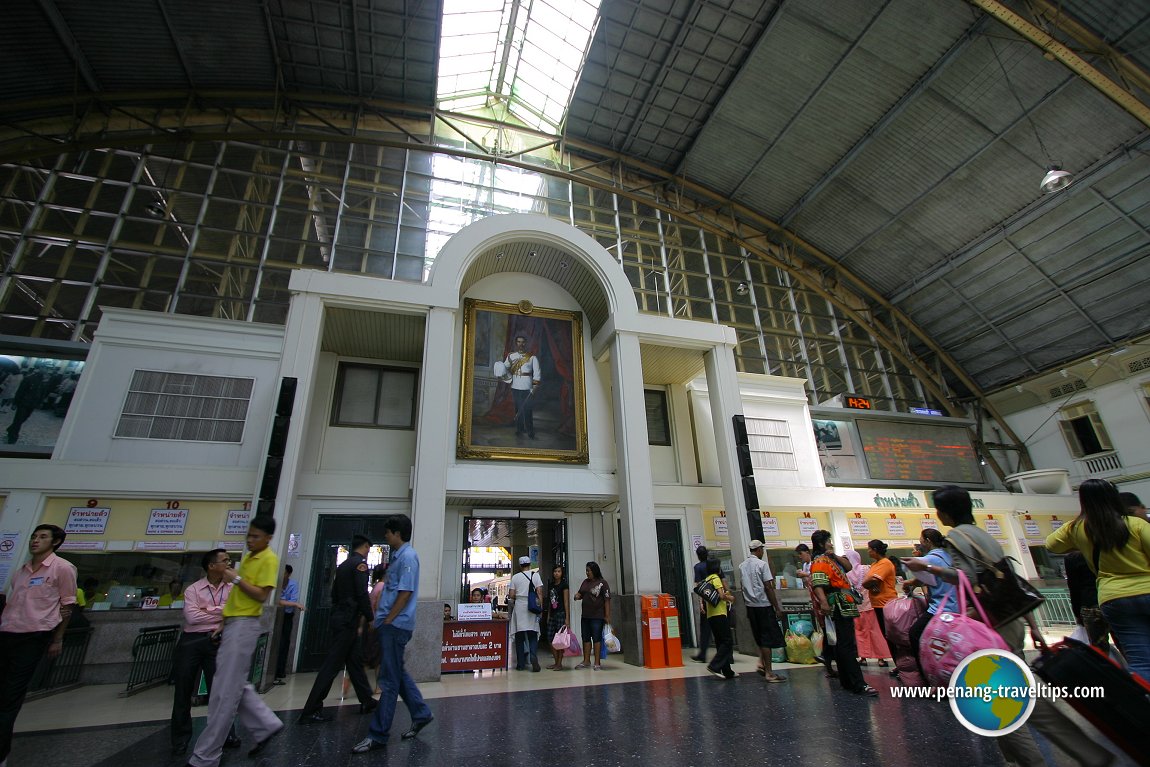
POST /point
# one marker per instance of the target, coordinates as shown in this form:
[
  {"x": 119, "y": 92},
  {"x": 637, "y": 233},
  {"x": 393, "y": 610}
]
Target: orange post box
[
  {"x": 654, "y": 642},
  {"x": 674, "y": 642}
]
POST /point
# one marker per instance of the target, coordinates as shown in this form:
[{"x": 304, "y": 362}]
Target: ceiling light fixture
[
  {"x": 1055, "y": 179},
  {"x": 532, "y": 254},
  {"x": 742, "y": 289},
  {"x": 155, "y": 209}
]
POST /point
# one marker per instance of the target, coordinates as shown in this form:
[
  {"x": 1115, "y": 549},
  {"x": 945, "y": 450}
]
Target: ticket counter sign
[
  {"x": 167, "y": 521},
  {"x": 472, "y": 645},
  {"x": 237, "y": 522},
  {"x": 84, "y": 520}
]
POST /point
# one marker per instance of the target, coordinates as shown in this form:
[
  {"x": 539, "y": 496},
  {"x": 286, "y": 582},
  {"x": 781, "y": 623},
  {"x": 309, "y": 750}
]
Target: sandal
[
  {"x": 862, "y": 662},
  {"x": 831, "y": 675},
  {"x": 881, "y": 664},
  {"x": 868, "y": 692},
  {"x": 775, "y": 678},
  {"x": 583, "y": 665}
]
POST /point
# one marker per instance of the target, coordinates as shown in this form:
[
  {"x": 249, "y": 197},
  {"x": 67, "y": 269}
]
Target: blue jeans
[
  {"x": 394, "y": 681},
  {"x": 526, "y": 649},
  {"x": 1129, "y": 619}
]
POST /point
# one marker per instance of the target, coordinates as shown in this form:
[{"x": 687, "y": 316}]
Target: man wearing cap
[
  {"x": 763, "y": 608},
  {"x": 524, "y": 623},
  {"x": 40, "y": 601}
]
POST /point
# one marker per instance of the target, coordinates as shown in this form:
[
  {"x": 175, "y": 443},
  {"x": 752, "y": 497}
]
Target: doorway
[
  {"x": 673, "y": 572},
  {"x": 333, "y": 535},
  {"x": 492, "y": 548}
]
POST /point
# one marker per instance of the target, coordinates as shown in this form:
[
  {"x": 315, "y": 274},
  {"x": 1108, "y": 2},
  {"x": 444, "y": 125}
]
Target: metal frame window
[
  {"x": 375, "y": 396},
  {"x": 658, "y": 417},
  {"x": 179, "y": 406}
]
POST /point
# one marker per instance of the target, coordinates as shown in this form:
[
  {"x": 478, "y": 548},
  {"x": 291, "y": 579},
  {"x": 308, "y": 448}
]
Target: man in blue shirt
[
  {"x": 395, "y": 621},
  {"x": 289, "y": 601}
]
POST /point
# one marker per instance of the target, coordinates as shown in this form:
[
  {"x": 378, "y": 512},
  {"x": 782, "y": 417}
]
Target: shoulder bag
[
  {"x": 1003, "y": 593},
  {"x": 708, "y": 592},
  {"x": 951, "y": 636}
]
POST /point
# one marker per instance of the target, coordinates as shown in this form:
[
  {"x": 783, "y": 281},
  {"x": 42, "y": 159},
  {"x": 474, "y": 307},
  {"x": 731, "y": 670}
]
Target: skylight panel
[{"x": 530, "y": 52}]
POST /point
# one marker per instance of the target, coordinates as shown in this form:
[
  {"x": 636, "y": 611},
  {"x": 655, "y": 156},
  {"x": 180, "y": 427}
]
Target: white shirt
[
  {"x": 755, "y": 573},
  {"x": 523, "y": 619},
  {"x": 527, "y": 374}
]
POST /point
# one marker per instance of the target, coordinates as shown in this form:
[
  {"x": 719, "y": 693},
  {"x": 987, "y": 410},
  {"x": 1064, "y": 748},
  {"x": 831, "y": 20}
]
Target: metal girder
[
  {"x": 1069, "y": 58},
  {"x": 176, "y": 43},
  {"x": 64, "y": 32}
]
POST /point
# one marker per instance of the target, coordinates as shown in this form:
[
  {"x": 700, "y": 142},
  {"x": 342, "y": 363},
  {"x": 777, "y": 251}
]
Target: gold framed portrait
[{"x": 522, "y": 394}]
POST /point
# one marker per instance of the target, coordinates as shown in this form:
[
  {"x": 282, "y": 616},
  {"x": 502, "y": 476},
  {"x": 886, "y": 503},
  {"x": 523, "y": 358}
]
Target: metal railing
[
  {"x": 61, "y": 673},
  {"x": 151, "y": 658},
  {"x": 1056, "y": 610}
]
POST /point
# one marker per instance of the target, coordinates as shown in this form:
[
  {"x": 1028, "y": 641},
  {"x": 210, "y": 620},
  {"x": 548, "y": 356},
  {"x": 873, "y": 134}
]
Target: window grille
[{"x": 179, "y": 406}]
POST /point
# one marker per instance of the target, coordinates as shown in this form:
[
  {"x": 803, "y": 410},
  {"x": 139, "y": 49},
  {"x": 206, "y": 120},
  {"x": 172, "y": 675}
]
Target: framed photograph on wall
[{"x": 523, "y": 396}]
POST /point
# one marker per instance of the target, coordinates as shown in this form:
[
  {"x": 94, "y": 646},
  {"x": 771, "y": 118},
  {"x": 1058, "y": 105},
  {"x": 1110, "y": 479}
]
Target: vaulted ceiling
[{"x": 903, "y": 141}]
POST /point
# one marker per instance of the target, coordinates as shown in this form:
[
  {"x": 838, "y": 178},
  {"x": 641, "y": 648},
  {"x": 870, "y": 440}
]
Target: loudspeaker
[
  {"x": 271, "y": 481},
  {"x": 755, "y": 525},
  {"x": 278, "y": 440},
  {"x": 286, "y": 401},
  {"x": 740, "y": 425},
  {"x": 750, "y": 494},
  {"x": 745, "y": 467}
]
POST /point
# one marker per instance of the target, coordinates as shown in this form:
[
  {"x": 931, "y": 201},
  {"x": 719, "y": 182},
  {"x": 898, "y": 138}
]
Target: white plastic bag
[
  {"x": 1079, "y": 634},
  {"x": 610, "y": 641}
]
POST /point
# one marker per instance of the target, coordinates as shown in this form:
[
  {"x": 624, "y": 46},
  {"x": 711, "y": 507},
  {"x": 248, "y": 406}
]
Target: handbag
[
  {"x": 562, "y": 639},
  {"x": 708, "y": 592},
  {"x": 1003, "y": 593},
  {"x": 951, "y": 636}
]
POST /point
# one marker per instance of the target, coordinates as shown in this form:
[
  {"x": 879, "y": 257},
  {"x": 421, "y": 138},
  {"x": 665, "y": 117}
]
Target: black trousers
[
  {"x": 195, "y": 652},
  {"x": 704, "y": 636},
  {"x": 724, "y": 645},
  {"x": 846, "y": 655},
  {"x": 19, "y": 656},
  {"x": 285, "y": 645},
  {"x": 345, "y": 651},
  {"x": 524, "y": 412}
]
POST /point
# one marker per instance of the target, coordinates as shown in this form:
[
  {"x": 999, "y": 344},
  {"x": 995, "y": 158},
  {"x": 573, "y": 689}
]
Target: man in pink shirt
[
  {"x": 196, "y": 651},
  {"x": 40, "y": 600}
]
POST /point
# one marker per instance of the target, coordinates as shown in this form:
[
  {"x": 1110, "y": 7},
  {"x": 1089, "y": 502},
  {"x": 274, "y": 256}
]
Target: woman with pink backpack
[{"x": 973, "y": 550}]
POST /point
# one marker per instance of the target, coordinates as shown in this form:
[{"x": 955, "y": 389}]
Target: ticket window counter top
[{"x": 109, "y": 657}]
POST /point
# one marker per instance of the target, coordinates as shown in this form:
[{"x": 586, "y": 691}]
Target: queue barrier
[
  {"x": 61, "y": 673},
  {"x": 152, "y": 653}
]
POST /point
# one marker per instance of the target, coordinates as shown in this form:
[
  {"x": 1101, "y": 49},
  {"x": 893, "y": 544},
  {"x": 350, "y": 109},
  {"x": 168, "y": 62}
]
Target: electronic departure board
[{"x": 926, "y": 452}]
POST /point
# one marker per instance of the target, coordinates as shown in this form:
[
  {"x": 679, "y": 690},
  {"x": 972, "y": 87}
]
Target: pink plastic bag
[
  {"x": 900, "y": 615},
  {"x": 951, "y": 636}
]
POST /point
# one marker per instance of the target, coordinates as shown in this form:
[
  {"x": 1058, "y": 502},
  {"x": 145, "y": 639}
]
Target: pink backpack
[{"x": 951, "y": 636}]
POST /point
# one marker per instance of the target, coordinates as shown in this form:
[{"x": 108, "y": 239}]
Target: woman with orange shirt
[{"x": 880, "y": 583}]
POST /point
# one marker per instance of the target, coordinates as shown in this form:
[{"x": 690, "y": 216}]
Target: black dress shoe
[
  {"x": 179, "y": 748},
  {"x": 258, "y": 748},
  {"x": 314, "y": 717},
  {"x": 416, "y": 727},
  {"x": 367, "y": 744},
  {"x": 233, "y": 741},
  {"x": 367, "y": 708}
]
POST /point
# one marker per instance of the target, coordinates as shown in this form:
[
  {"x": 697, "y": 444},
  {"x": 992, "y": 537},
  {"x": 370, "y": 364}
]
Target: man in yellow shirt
[{"x": 231, "y": 690}]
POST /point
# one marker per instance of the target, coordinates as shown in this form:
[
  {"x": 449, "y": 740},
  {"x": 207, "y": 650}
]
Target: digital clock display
[{"x": 858, "y": 403}]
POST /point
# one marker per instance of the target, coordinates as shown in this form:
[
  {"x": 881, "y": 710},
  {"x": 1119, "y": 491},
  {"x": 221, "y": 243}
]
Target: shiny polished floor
[{"x": 673, "y": 717}]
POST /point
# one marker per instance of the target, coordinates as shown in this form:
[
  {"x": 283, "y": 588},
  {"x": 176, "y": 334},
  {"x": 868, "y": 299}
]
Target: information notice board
[{"x": 898, "y": 450}]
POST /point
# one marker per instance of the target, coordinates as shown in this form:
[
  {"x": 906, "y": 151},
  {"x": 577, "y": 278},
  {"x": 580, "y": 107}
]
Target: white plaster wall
[
  {"x": 130, "y": 340},
  {"x": 1125, "y": 414}
]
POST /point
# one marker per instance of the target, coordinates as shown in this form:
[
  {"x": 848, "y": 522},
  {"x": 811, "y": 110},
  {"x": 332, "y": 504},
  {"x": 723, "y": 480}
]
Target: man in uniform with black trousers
[{"x": 350, "y": 613}]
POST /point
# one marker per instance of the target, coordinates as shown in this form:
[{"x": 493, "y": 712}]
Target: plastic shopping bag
[{"x": 610, "y": 641}]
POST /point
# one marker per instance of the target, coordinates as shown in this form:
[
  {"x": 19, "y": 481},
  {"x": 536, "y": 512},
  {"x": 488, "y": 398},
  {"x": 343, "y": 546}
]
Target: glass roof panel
[{"x": 531, "y": 51}]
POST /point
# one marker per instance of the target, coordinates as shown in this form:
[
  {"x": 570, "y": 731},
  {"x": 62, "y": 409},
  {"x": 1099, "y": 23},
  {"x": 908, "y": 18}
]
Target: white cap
[{"x": 524, "y": 561}]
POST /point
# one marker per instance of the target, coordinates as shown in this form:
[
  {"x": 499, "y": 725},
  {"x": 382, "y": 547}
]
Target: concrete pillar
[
  {"x": 433, "y": 448},
  {"x": 726, "y": 401},
  {"x": 639, "y": 555}
]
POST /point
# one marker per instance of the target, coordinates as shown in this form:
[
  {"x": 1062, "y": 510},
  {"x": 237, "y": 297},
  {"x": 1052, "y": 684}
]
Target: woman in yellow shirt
[
  {"x": 1118, "y": 548},
  {"x": 720, "y": 624}
]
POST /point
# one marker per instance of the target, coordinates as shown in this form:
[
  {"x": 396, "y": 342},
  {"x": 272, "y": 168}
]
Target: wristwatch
[{"x": 236, "y": 580}]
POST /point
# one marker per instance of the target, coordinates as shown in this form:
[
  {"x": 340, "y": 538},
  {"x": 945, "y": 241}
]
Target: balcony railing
[{"x": 1100, "y": 463}]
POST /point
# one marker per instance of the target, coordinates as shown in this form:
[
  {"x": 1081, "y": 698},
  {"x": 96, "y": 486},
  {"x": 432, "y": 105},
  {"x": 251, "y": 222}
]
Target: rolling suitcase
[{"x": 1122, "y": 713}]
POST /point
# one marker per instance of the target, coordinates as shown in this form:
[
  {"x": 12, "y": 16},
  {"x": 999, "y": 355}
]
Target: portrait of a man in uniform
[{"x": 523, "y": 394}]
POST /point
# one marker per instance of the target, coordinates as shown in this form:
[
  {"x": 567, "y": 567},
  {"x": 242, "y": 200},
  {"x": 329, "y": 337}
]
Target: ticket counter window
[{"x": 121, "y": 580}]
